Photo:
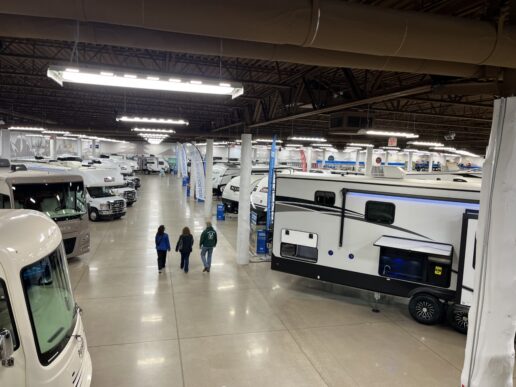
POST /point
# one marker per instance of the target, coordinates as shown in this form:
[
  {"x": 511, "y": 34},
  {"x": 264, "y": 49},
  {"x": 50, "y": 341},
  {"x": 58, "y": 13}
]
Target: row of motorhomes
[{"x": 405, "y": 234}]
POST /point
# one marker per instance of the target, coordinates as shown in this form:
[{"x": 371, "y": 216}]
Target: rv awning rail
[{"x": 426, "y": 247}]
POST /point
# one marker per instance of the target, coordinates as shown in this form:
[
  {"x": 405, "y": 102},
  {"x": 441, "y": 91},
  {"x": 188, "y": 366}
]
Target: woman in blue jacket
[{"x": 162, "y": 246}]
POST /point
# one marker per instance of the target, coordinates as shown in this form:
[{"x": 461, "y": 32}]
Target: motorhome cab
[
  {"x": 103, "y": 202},
  {"x": 150, "y": 165},
  {"x": 231, "y": 194},
  {"x": 408, "y": 238},
  {"x": 42, "y": 339},
  {"x": 59, "y": 196}
]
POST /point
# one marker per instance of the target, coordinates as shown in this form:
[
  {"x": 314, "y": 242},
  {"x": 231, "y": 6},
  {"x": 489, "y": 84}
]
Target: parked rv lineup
[{"x": 42, "y": 338}]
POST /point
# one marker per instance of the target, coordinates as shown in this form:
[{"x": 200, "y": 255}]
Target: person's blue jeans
[
  {"x": 206, "y": 253},
  {"x": 185, "y": 260}
]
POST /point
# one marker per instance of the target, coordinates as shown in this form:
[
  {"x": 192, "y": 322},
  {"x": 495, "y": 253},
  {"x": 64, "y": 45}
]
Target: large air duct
[
  {"x": 98, "y": 33},
  {"x": 323, "y": 24}
]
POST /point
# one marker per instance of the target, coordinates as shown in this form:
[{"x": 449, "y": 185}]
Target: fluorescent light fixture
[
  {"x": 444, "y": 148},
  {"x": 294, "y": 145},
  {"x": 391, "y": 148},
  {"x": 220, "y": 143},
  {"x": 360, "y": 144},
  {"x": 425, "y": 143},
  {"x": 155, "y": 141},
  {"x": 153, "y": 120},
  {"x": 352, "y": 148},
  {"x": 33, "y": 135},
  {"x": 386, "y": 133},
  {"x": 153, "y": 135},
  {"x": 66, "y": 138},
  {"x": 26, "y": 128},
  {"x": 322, "y": 145},
  {"x": 153, "y": 130},
  {"x": 313, "y": 139},
  {"x": 61, "y": 132},
  {"x": 466, "y": 153},
  {"x": 267, "y": 140},
  {"x": 411, "y": 150},
  {"x": 92, "y": 76}
]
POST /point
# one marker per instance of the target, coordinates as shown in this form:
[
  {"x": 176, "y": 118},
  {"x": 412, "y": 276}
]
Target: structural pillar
[
  {"x": 244, "y": 206},
  {"x": 430, "y": 162},
  {"x": 386, "y": 157},
  {"x": 369, "y": 161},
  {"x": 5, "y": 144},
  {"x": 489, "y": 356},
  {"x": 79, "y": 147},
  {"x": 93, "y": 148},
  {"x": 309, "y": 153},
  {"x": 209, "y": 177},
  {"x": 357, "y": 160},
  {"x": 409, "y": 161},
  {"x": 53, "y": 146}
]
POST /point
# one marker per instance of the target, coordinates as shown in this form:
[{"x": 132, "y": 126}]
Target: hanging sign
[
  {"x": 393, "y": 141},
  {"x": 304, "y": 166},
  {"x": 199, "y": 177}
]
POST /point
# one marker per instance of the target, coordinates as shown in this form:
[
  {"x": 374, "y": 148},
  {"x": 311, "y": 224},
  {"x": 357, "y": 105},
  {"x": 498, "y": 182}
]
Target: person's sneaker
[
  {"x": 205, "y": 269},
  {"x": 159, "y": 271},
  {"x": 208, "y": 269}
]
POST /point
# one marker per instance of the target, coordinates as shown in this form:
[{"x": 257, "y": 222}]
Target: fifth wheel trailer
[
  {"x": 408, "y": 238},
  {"x": 42, "y": 339}
]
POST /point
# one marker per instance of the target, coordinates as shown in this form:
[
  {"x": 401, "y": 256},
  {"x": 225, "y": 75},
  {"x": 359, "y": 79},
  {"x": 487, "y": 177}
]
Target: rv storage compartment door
[
  {"x": 299, "y": 245},
  {"x": 416, "y": 261}
]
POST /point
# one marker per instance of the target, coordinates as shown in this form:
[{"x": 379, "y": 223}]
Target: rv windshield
[
  {"x": 59, "y": 201},
  {"x": 50, "y": 303},
  {"x": 100, "y": 192}
]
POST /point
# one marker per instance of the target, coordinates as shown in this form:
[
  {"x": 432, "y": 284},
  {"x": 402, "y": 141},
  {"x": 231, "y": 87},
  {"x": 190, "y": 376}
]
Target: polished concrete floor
[{"x": 237, "y": 326}]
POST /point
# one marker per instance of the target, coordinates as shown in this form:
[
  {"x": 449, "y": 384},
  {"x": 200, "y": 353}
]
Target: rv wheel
[
  {"x": 94, "y": 215},
  {"x": 458, "y": 318},
  {"x": 426, "y": 309}
]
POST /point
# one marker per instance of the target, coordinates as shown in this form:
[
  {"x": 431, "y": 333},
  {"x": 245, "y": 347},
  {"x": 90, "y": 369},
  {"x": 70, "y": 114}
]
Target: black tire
[
  {"x": 93, "y": 215},
  {"x": 130, "y": 204},
  {"x": 426, "y": 309},
  {"x": 458, "y": 318}
]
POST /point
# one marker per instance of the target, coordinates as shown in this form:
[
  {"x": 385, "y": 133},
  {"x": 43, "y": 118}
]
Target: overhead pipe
[
  {"x": 98, "y": 33},
  {"x": 324, "y": 24}
]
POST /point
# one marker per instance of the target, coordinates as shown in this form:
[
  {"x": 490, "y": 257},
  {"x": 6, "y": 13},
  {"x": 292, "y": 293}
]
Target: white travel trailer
[
  {"x": 231, "y": 194},
  {"x": 408, "y": 238},
  {"x": 59, "y": 196},
  {"x": 42, "y": 339},
  {"x": 222, "y": 175}
]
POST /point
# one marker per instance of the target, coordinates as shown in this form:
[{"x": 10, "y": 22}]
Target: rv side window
[
  {"x": 380, "y": 212},
  {"x": 4, "y": 201},
  {"x": 6, "y": 314},
  {"x": 325, "y": 198}
]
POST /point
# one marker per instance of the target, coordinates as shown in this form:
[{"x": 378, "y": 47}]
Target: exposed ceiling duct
[
  {"x": 324, "y": 24},
  {"x": 97, "y": 33}
]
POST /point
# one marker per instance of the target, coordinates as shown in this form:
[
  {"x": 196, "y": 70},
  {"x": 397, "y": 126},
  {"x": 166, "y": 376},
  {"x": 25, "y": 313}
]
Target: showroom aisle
[{"x": 237, "y": 326}]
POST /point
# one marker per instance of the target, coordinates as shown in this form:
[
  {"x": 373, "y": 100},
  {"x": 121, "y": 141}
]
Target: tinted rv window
[
  {"x": 325, "y": 198},
  {"x": 4, "y": 201},
  {"x": 380, "y": 212}
]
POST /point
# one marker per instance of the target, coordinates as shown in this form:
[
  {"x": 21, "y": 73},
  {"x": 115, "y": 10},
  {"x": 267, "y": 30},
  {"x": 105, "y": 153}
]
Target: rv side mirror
[{"x": 6, "y": 348}]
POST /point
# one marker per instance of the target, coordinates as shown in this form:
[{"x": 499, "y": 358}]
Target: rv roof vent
[{"x": 4, "y": 163}]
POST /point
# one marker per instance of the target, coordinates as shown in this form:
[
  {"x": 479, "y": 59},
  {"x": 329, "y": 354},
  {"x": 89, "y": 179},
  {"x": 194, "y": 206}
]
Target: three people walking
[
  {"x": 207, "y": 244},
  {"x": 162, "y": 246},
  {"x": 184, "y": 245}
]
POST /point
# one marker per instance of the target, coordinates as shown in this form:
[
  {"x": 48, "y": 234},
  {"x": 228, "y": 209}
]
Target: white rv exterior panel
[
  {"x": 415, "y": 245},
  {"x": 300, "y": 238}
]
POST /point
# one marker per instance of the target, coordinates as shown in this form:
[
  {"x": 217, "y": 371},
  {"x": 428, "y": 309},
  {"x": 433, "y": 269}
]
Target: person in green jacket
[{"x": 207, "y": 243}]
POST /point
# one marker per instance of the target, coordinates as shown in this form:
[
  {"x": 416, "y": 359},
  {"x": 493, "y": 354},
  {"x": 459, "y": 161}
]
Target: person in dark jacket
[
  {"x": 162, "y": 246},
  {"x": 184, "y": 246},
  {"x": 207, "y": 244}
]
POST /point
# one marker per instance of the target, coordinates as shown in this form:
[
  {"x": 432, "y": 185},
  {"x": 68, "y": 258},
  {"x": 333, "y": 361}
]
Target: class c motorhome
[
  {"x": 408, "y": 238},
  {"x": 42, "y": 339},
  {"x": 59, "y": 196}
]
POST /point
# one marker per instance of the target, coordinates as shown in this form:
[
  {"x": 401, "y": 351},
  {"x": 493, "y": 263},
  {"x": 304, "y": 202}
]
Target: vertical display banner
[
  {"x": 184, "y": 162},
  {"x": 303, "y": 160},
  {"x": 272, "y": 164},
  {"x": 195, "y": 156}
]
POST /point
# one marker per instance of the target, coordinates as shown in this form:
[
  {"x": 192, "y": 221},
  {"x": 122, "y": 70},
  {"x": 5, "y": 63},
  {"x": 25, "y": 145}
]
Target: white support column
[
  {"x": 357, "y": 160},
  {"x": 53, "y": 146},
  {"x": 209, "y": 177},
  {"x": 244, "y": 206},
  {"x": 309, "y": 153},
  {"x": 193, "y": 174},
  {"x": 489, "y": 357},
  {"x": 79, "y": 147},
  {"x": 409, "y": 161},
  {"x": 93, "y": 148},
  {"x": 369, "y": 161},
  {"x": 5, "y": 144},
  {"x": 430, "y": 162},
  {"x": 386, "y": 157}
]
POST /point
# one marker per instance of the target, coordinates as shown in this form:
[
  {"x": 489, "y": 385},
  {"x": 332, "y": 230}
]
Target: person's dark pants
[
  {"x": 185, "y": 260},
  {"x": 162, "y": 259}
]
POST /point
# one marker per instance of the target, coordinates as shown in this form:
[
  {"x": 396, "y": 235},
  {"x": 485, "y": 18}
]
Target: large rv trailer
[
  {"x": 42, "y": 340},
  {"x": 59, "y": 196},
  {"x": 231, "y": 194},
  {"x": 408, "y": 238}
]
